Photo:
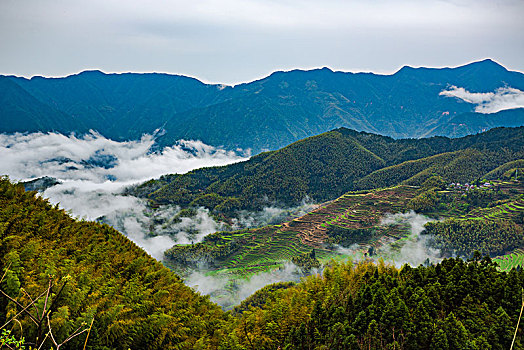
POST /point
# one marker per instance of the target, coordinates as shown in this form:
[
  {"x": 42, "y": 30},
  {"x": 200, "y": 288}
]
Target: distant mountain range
[{"x": 262, "y": 115}]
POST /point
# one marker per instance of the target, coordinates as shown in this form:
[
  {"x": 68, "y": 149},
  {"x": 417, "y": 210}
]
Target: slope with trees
[
  {"x": 326, "y": 166},
  {"x": 67, "y": 282},
  {"x": 63, "y": 275}
]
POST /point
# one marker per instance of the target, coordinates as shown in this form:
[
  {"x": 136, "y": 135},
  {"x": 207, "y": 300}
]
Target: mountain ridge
[
  {"x": 325, "y": 166},
  {"x": 264, "y": 114}
]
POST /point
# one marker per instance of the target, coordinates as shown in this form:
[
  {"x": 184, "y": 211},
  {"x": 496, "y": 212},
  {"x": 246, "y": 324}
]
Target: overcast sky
[{"x": 231, "y": 41}]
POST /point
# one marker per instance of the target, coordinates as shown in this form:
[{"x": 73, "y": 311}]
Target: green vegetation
[
  {"x": 325, "y": 167},
  {"x": 354, "y": 218},
  {"x": 93, "y": 273},
  {"x": 260, "y": 297},
  {"x": 94, "y": 276},
  {"x": 460, "y": 166},
  {"x": 506, "y": 168},
  {"x": 487, "y": 217},
  {"x": 463, "y": 237},
  {"x": 510, "y": 261},
  {"x": 452, "y": 305},
  {"x": 306, "y": 261}
]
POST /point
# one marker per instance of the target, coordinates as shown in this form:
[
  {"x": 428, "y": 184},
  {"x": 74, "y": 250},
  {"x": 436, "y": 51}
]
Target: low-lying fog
[{"x": 91, "y": 172}]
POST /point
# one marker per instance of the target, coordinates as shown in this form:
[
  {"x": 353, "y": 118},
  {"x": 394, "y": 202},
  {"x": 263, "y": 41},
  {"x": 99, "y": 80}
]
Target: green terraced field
[
  {"x": 268, "y": 248},
  {"x": 512, "y": 260},
  {"x": 508, "y": 210}
]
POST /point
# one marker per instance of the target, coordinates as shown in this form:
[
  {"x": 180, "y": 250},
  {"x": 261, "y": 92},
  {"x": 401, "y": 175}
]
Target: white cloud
[
  {"x": 489, "y": 102},
  {"x": 97, "y": 159},
  {"x": 93, "y": 170},
  {"x": 415, "y": 248},
  {"x": 228, "y": 292}
]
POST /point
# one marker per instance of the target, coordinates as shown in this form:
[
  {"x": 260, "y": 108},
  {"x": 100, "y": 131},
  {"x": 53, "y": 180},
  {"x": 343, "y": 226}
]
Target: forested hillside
[
  {"x": 87, "y": 277},
  {"x": 326, "y": 166},
  {"x": 266, "y": 114},
  {"x": 452, "y": 305},
  {"x": 83, "y": 273}
]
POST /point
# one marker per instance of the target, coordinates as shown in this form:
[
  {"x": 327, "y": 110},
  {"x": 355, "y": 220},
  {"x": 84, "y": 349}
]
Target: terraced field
[
  {"x": 268, "y": 247},
  {"x": 508, "y": 210},
  {"x": 512, "y": 260},
  {"x": 355, "y": 218}
]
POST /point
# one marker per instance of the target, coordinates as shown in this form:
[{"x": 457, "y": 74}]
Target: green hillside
[
  {"x": 352, "y": 218},
  {"x": 326, "y": 166},
  {"x": 95, "y": 274},
  {"x": 460, "y": 166},
  {"x": 92, "y": 285},
  {"x": 483, "y": 218},
  {"x": 451, "y": 305}
]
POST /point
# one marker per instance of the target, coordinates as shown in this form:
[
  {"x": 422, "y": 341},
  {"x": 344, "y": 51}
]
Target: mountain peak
[
  {"x": 488, "y": 61},
  {"x": 92, "y": 72},
  {"x": 486, "y": 64}
]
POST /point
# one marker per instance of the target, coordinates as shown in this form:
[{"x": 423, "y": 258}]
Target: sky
[{"x": 233, "y": 41}]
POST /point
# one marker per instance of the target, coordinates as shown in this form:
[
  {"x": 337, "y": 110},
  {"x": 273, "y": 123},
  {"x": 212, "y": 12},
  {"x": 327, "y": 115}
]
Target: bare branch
[
  {"x": 88, "y": 332},
  {"x": 5, "y": 272},
  {"x": 32, "y": 302},
  {"x": 51, "y": 332},
  {"x": 51, "y": 307},
  {"x": 24, "y": 309},
  {"x": 74, "y": 335},
  {"x": 43, "y": 341},
  {"x": 20, "y": 324},
  {"x": 46, "y": 298}
]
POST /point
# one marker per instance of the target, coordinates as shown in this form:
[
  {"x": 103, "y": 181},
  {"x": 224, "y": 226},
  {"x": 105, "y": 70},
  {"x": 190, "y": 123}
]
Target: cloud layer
[
  {"x": 96, "y": 159},
  {"x": 228, "y": 292},
  {"x": 414, "y": 249},
  {"x": 93, "y": 170},
  {"x": 489, "y": 102}
]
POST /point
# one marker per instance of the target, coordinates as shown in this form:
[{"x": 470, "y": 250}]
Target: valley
[
  {"x": 195, "y": 245},
  {"x": 261, "y": 175},
  {"x": 355, "y": 221}
]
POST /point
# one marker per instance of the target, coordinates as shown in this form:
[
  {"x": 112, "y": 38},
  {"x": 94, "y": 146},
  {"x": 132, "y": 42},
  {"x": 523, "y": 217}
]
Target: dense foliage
[
  {"x": 324, "y": 167},
  {"x": 452, "y": 305},
  {"x": 462, "y": 237},
  {"x": 96, "y": 273}
]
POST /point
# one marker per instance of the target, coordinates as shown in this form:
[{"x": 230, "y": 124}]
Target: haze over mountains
[{"x": 271, "y": 112}]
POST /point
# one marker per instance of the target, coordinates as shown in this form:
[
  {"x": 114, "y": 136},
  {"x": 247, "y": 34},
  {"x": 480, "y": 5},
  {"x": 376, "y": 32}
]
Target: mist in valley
[{"x": 87, "y": 175}]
